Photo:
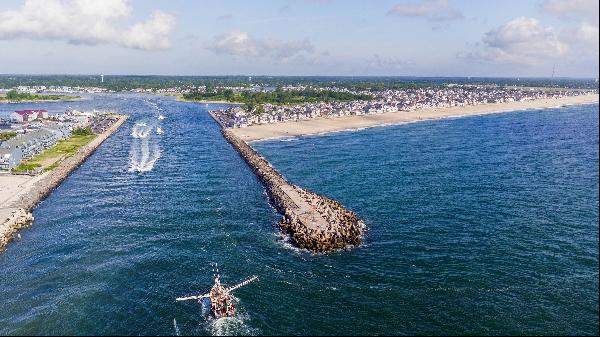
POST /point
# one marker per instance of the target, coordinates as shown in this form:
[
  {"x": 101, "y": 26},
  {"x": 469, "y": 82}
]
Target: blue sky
[{"x": 301, "y": 37}]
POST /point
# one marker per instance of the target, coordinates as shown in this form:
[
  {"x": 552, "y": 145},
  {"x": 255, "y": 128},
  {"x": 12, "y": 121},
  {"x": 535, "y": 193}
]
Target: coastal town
[
  {"x": 312, "y": 222},
  {"x": 299, "y": 168},
  {"x": 389, "y": 101},
  {"x": 38, "y": 150},
  {"x": 29, "y": 132}
]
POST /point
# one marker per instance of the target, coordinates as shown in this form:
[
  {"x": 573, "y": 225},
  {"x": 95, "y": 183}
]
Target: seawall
[
  {"x": 18, "y": 214},
  {"x": 313, "y": 222}
]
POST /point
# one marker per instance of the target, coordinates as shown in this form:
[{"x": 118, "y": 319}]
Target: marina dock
[{"x": 313, "y": 222}]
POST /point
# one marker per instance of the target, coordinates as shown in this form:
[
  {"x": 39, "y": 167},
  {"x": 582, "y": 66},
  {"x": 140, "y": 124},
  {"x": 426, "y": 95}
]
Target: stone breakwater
[
  {"x": 14, "y": 220},
  {"x": 313, "y": 222},
  {"x": 40, "y": 190}
]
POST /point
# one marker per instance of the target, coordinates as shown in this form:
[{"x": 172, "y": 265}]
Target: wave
[
  {"x": 231, "y": 326},
  {"x": 144, "y": 154},
  {"x": 141, "y": 130}
]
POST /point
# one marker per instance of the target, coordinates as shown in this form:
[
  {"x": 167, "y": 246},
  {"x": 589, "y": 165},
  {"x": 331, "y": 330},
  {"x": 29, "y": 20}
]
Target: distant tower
[
  {"x": 102, "y": 77},
  {"x": 553, "y": 73}
]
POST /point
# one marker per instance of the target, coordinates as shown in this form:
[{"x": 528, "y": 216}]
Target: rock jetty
[
  {"x": 21, "y": 216},
  {"x": 43, "y": 188},
  {"x": 9, "y": 226},
  {"x": 313, "y": 222}
]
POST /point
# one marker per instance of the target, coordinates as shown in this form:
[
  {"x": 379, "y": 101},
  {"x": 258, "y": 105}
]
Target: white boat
[
  {"x": 159, "y": 131},
  {"x": 161, "y": 117}
]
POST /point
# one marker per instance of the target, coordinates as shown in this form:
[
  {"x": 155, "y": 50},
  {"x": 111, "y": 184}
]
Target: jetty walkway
[{"x": 313, "y": 222}]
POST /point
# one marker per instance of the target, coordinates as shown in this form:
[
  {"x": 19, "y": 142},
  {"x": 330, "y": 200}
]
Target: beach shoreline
[
  {"x": 325, "y": 125},
  {"x": 20, "y": 194}
]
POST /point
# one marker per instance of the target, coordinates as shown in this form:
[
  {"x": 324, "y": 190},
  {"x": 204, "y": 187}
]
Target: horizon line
[{"x": 329, "y": 76}]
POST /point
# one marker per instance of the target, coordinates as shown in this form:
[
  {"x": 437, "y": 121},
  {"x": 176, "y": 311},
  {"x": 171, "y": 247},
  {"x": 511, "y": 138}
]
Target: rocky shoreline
[
  {"x": 16, "y": 220},
  {"x": 28, "y": 201},
  {"x": 312, "y": 222}
]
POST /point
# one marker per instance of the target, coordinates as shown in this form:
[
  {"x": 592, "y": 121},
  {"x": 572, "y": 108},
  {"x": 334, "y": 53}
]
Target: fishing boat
[{"x": 219, "y": 301}]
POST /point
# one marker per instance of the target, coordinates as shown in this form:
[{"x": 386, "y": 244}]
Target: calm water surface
[{"x": 480, "y": 225}]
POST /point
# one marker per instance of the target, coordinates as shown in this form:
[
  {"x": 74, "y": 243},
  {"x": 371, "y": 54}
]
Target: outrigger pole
[
  {"x": 230, "y": 289},
  {"x": 189, "y": 298},
  {"x": 243, "y": 283}
]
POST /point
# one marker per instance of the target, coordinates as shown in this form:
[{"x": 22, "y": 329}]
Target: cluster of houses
[
  {"x": 36, "y": 131},
  {"x": 32, "y": 142},
  {"x": 386, "y": 101},
  {"x": 58, "y": 89}
]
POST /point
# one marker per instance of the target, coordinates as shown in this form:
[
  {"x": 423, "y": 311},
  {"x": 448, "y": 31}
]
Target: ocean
[{"x": 477, "y": 225}]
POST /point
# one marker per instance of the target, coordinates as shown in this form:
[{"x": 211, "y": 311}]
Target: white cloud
[
  {"x": 580, "y": 28},
  {"x": 588, "y": 34},
  {"x": 435, "y": 10},
  {"x": 571, "y": 9},
  {"x": 85, "y": 22},
  {"x": 521, "y": 41},
  {"x": 239, "y": 43},
  {"x": 152, "y": 34}
]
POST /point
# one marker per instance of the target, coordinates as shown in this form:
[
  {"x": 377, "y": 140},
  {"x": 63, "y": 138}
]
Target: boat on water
[
  {"x": 219, "y": 301},
  {"x": 159, "y": 131},
  {"x": 161, "y": 117}
]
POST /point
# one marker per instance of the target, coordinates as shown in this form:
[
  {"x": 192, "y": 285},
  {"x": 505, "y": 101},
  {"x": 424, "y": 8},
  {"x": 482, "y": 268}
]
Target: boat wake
[
  {"x": 145, "y": 151},
  {"x": 231, "y": 326}
]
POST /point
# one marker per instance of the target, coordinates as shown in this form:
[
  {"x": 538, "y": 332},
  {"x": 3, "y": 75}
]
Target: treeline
[
  {"x": 125, "y": 83},
  {"x": 14, "y": 95},
  {"x": 278, "y": 96},
  {"x": 7, "y": 135}
]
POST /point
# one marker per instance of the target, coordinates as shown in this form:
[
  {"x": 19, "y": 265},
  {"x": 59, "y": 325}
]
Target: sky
[{"x": 508, "y": 38}]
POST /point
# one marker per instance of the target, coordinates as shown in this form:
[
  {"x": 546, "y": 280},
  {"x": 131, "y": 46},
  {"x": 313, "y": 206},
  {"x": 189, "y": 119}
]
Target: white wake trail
[{"x": 142, "y": 159}]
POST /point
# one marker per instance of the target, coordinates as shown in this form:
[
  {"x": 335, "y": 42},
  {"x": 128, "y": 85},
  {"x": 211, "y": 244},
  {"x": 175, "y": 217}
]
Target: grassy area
[
  {"x": 254, "y": 100},
  {"x": 51, "y": 158},
  {"x": 7, "y": 135},
  {"x": 14, "y": 96}
]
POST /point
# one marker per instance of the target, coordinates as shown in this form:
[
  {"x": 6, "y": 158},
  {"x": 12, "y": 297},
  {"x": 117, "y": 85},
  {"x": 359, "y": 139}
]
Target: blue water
[{"x": 479, "y": 225}]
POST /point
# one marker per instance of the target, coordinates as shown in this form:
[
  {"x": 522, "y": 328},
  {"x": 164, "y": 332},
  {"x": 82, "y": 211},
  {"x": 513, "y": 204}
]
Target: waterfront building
[{"x": 23, "y": 116}]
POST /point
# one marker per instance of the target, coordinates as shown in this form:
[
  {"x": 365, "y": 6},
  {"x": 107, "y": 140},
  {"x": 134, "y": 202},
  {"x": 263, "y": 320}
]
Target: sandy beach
[{"x": 324, "y": 125}]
